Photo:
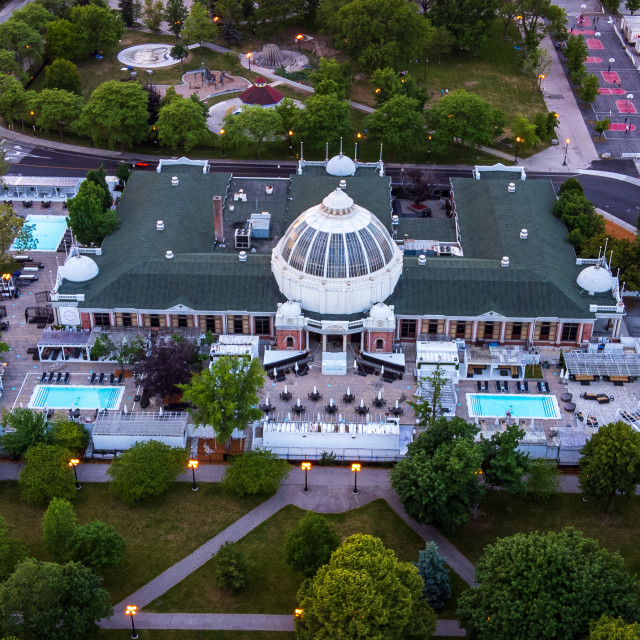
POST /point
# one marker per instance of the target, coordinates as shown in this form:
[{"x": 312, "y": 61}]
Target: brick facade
[
  {"x": 587, "y": 330},
  {"x": 371, "y": 337},
  {"x": 297, "y": 342}
]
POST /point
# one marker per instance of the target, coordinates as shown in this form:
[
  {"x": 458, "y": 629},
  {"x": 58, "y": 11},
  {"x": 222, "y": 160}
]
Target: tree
[
  {"x": 431, "y": 567},
  {"x": 468, "y": 21},
  {"x": 571, "y": 184},
  {"x": 127, "y": 351},
  {"x": 146, "y": 470},
  {"x": 288, "y": 112},
  {"x": 12, "y": 551},
  {"x": 610, "y": 464},
  {"x": 86, "y": 217},
  {"x": 503, "y": 465},
  {"x": 63, "y": 74},
  {"x": 101, "y": 27},
  {"x": 310, "y": 544},
  {"x": 58, "y": 8},
  {"x": 427, "y": 407},
  {"x": 117, "y": 112},
  {"x": 601, "y": 126},
  {"x": 152, "y": 14},
  {"x": 632, "y": 5},
  {"x": 181, "y": 123},
  {"x": 464, "y": 118},
  {"x": 543, "y": 479},
  {"x": 167, "y": 365},
  {"x": 580, "y": 216},
  {"x": 256, "y": 472},
  {"x": 253, "y": 125},
  {"x": 9, "y": 65},
  {"x": 440, "y": 43},
  {"x": 507, "y": 10},
  {"x": 232, "y": 567},
  {"x": 68, "y": 434},
  {"x": 179, "y": 52},
  {"x": 35, "y": 15},
  {"x": 23, "y": 40},
  {"x": 540, "y": 17},
  {"x": 96, "y": 545},
  {"x": 46, "y": 474},
  {"x": 419, "y": 185},
  {"x": 198, "y": 26},
  {"x": 386, "y": 83},
  {"x": 25, "y": 428},
  {"x": 324, "y": 119},
  {"x": 127, "y": 12},
  {"x": 174, "y": 14},
  {"x": 64, "y": 40},
  {"x": 626, "y": 257},
  {"x": 58, "y": 524},
  {"x": 13, "y": 230},
  {"x": 545, "y": 585},
  {"x": 332, "y": 74},
  {"x": 363, "y": 592},
  {"x": 588, "y": 91},
  {"x": 56, "y": 109},
  {"x": 123, "y": 171},
  {"x": 225, "y": 395},
  {"x": 12, "y": 98},
  {"x": 576, "y": 53},
  {"x": 99, "y": 178},
  {"x": 48, "y": 600},
  {"x": 607, "y": 628},
  {"x": 525, "y": 130}
]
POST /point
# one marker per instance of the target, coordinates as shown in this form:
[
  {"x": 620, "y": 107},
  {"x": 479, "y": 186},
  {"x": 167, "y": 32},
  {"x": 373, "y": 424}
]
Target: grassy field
[
  {"x": 144, "y": 634},
  {"x": 272, "y": 586},
  {"x": 158, "y": 533}
]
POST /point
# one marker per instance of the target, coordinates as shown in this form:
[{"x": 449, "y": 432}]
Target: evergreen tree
[
  {"x": 437, "y": 586},
  {"x": 58, "y": 524},
  {"x": 128, "y": 12}
]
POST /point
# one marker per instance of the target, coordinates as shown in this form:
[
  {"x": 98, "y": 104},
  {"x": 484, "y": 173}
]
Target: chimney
[{"x": 218, "y": 229}]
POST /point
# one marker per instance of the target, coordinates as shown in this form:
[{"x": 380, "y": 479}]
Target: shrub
[{"x": 232, "y": 567}]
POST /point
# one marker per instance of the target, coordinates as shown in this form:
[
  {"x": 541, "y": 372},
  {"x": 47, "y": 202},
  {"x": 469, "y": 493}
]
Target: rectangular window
[
  {"x": 570, "y": 332},
  {"x": 488, "y": 331},
  {"x": 101, "y": 320},
  {"x": 407, "y": 328},
  {"x": 461, "y": 327},
  {"x": 433, "y": 327},
  {"x": 182, "y": 321},
  {"x": 126, "y": 320},
  {"x": 237, "y": 324},
  {"x": 516, "y": 331},
  {"x": 154, "y": 320},
  {"x": 545, "y": 330},
  {"x": 263, "y": 325},
  {"x": 210, "y": 324}
]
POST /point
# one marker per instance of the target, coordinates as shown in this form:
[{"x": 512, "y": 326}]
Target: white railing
[
  {"x": 96, "y": 251},
  {"x": 67, "y": 297}
]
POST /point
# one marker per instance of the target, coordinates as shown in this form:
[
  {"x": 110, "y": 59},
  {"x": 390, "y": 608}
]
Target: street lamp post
[
  {"x": 249, "y": 56},
  {"x": 541, "y": 77},
  {"x": 221, "y": 143},
  {"x": 131, "y": 610},
  {"x": 74, "y": 462},
  {"x": 355, "y": 467},
  {"x": 299, "y": 38},
  {"x": 429, "y": 150},
  {"x": 305, "y": 467},
  {"x": 566, "y": 149},
  {"x": 299, "y": 613},
  {"x": 33, "y": 122},
  {"x": 518, "y": 141},
  {"x": 290, "y": 143},
  {"x": 193, "y": 465}
]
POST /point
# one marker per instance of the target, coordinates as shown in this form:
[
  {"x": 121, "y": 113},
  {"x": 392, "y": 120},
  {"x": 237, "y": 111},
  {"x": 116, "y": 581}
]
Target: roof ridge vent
[
  {"x": 512, "y": 187},
  {"x": 169, "y": 255},
  {"x": 524, "y": 234},
  {"x": 160, "y": 225},
  {"x": 505, "y": 261},
  {"x": 242, "y": 256},
  {"x": 422, "y": 260},
  {"x": 174, "y": 181}
]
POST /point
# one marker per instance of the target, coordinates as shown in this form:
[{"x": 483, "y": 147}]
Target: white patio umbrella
[
  {"x": 285, "y": 389},
  {"x": 348, "y": 391},
  {"x": 124, "y": 408},
  {"x": 355, "y": 365},
  {"x": 161, "y": 411},
  {"x": 315, "y": 389},
  {"x": 296, "y": 366},
  {"x": 396, "y": 404},
  {"x": 331, "y": 402},
  {"x": 361, "y": 402},
  {"x": 267, "y": 401},
  {"x": 298, "y": 403},
  {"x": 319, "y": 416},
  {"x": 382, "y": 370},
  {"x": 380, "y": 394}
]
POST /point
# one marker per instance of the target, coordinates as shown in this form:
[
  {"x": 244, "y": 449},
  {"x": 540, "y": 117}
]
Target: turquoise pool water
[
  {"x": 518, "y": 406},
  {"x": 54, "y": 397},
  {"x": 48, "y": 231}
]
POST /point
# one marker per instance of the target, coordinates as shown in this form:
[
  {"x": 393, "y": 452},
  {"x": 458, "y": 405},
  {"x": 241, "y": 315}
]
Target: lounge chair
[
  {"x": 42, "y": 377},
  {"x": 120, "y": 377},
  {"x": 101, "y": 379},
  {"x": 59, "y": 377},
  {"x": 92, "y": 380},
  {"x": 47, "y": 378},
  {"x": 519, "y": 386},
  {"x": 539, "y": 385},
  {"x": 526, "y": 386},
  {"x": 112, "y": 377},
  {"x": 505, "y": 386},
  {"x": 479, "y": 385},
  {"x": 546, "y": 387},
  {"x": 498, "y": 386},
  {"x": 67, "y": 375}
]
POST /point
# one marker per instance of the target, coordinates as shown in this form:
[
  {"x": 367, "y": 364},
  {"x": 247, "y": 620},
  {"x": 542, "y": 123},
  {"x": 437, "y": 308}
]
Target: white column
[
  {"x": 474, "y": 331},
  {"x": 503, "y": 329},
  {"x": 324, "y": 342},
  {"x": 344, "y": 342}
]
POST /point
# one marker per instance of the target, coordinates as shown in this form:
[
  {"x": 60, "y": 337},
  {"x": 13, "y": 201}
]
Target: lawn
[
  {"x": 158, "y": 533},
  {"x": 144, "y": 634},
  {"x": 533, "y": 372},
  {"x": 272, "y": 586}
]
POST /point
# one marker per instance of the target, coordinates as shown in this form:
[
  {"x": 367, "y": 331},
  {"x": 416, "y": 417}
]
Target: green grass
[
  {"x": 144, "y": 634},
  {"x": 533, "y": 371},
  {"x": 272, "y": 586},
  {"x": 158, "y": 533}
]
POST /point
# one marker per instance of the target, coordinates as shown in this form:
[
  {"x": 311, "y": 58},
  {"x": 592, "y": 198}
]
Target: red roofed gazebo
[{"x": 261, "y": 94}]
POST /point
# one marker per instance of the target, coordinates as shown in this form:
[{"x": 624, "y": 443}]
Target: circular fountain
[{"x": 149, "y": 56}]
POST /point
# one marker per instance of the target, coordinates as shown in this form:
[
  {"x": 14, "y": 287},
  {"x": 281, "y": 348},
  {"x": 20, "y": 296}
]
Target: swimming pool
[
  {"x": 54, "y": 397},
  {"x": 518, "y": 406},
  {"x": 48, "y": 231}
]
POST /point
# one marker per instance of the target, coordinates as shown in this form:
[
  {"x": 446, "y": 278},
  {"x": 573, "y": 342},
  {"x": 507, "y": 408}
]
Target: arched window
[
  {"x": 379, "y": 344},
  {"x": 289, "y": 343}
]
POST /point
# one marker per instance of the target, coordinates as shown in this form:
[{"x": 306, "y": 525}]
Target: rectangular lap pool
[
  {"x": 48, "y": 231},
  {"x": 517, "y": 406},
  {"x": 53, "y": 397}
]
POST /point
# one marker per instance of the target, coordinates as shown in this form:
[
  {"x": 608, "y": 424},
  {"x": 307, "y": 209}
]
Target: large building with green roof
[{"x": 325, "y": 259}]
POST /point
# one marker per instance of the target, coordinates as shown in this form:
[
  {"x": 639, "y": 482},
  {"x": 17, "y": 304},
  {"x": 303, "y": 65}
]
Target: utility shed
[{"x": 119, "y": 431}]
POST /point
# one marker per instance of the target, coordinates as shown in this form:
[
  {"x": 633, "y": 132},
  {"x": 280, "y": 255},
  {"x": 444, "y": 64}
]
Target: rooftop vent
[
  {"x": 342, "y": 184},
  {"x": 512, "y": 187},
  {"x": 242, "y": 256},
  {"x": 395, "y": 220},
  {"x": 524, "y": 234},
  {"x": 505, "y": 261},
  {"x": 160, "y": 225},
  {"x": 422, "y": 260},
  {"x": 174, "y": 181},
  {"x": 169, "y": 255}
]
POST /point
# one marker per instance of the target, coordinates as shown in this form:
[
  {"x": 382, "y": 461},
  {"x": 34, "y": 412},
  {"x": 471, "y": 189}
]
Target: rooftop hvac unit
[
  {"x": 243, "y": 239},
  {"x": 444, "y": 250},
  {"x": 260, "y": 224}
]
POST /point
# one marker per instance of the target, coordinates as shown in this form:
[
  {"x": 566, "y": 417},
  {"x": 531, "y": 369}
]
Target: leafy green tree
[
  {"x": 24, "y": 428},
  {"x": 543, "y": 479},
  {"x": 99, "y": 177},
  {"x": 181, "y": 123},
  {"x": 101, "y": 28},
  {"x": 398, "y": 123},
  {"x": 123, "y": 171},
  {"x": 253, "y": 126},
  {"x": 256, "y": 472},
  {"x": 12, "y": 551},
  {"x": 310, "y": 544},
  {"x": 427, "y": 406},
  {"x": 58, "y": 8},
  {"x": 53, "y": 601},
  {"x": 576, "y": 53},
  {"x": 146, "y": 470},
  {"x": 13, "y": 98},
  {"x": 46, "y": 474},
  {"x": 626, "y": 257},
  {"x": 117, "y": 112},
  {"x": 540, "y": 17},
  {"x": 324, "y": 119},
  {"x": 632, "y": 5},
  {"x": 440, "y": 44},
  {"x": 179, "y": 52},
  {"x": 288, "y": 112},
  {"x": 127, "y": 12},
  {"x": 56, "y": 109},
  {"x": 378, "y": 33},
  {"x": 13, "y": 230},
  {"x": 198, "y": 26},
  {"x": 463, "y": 117},
  {"x": 571, "y": 184},
  {"x": 68, "y": 434},
  {"x": 431, "y": 567},
  {"x": 580, "y": 216},
  {"x": 174, "y": 15},
  {"x": 440, "y": 431},
  {"x": 23, "y": 40},
  {"x": 152, "y": 14},
  {"x": 58, "y": 524},
  {"x": 588, "y": 91},
  {"x": 9, "y": 65},
  {"x": 504, "y": 466},
  {"x": 607, "y": 628},
  {"x": 86, "y": 217},
  {"x": 601, "y": 126},
  {"x": 332, "y": 74},
  {"x": 96, "y": 545},
  {"x": 225, "y": 395},
  {"x": 126, "y": 351},
  {"x": 232, "y": 567},
  {"x": 522, "y": 128},
  {"x": 364, "y": 592},
  {"x": 35, "y": 15},
  {"x": 468, "y": 21},
  {"x": 63, "y": 74},
  {"x": 385, "y": 84},
  {"x": 610, "y": 464},
  {"x": 64, "y": 40},
  {"x": 545, "y": 585}
]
